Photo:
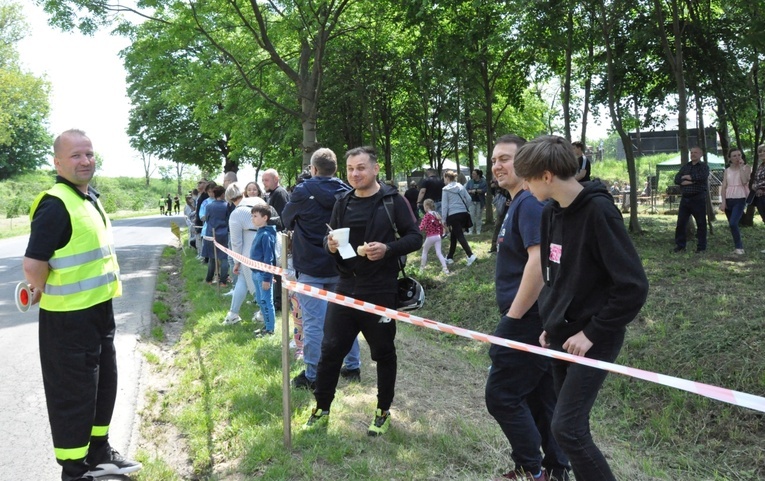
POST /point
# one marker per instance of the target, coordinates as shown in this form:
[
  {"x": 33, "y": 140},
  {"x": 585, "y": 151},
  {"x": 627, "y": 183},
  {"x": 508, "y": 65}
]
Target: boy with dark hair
[
  {"x": 519, "y": 390},
  {"x": 594, "y": 285},
  {"x": 263, "y": 251}
]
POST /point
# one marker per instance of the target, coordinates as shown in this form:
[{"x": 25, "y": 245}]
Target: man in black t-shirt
[
  {"x": 370, "y": 276},
  {"x": 431, "y": 188}
]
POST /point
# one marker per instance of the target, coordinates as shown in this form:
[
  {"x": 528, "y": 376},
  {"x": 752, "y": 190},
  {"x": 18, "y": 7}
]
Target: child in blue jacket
[{"x": 263, "y": 248}]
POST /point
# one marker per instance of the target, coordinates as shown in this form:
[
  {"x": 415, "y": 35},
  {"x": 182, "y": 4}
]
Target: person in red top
[{"x": 434, "y": 229}]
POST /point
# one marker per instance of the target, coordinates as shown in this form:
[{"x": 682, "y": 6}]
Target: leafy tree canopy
[{"x": 24, "y": 108}]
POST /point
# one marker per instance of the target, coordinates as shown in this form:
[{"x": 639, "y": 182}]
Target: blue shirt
[{"x": 520, "y": 230}]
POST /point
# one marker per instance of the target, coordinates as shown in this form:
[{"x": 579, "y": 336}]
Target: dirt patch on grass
[{"x": 160, "y": 440}]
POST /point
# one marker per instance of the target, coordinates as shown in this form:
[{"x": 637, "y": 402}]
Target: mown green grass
[{"x": 703, "y": 321}]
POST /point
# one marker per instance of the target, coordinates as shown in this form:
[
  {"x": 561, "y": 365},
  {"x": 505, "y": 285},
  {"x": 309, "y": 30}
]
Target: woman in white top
[
  {"x": 454, "y": 210},
  {"x": 735, "y": 188},
  {"x": 241, "y": 235}
]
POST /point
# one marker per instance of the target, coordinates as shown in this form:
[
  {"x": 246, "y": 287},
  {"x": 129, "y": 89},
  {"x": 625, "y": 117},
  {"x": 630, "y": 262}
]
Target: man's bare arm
[{"x": 36, "y": 273}]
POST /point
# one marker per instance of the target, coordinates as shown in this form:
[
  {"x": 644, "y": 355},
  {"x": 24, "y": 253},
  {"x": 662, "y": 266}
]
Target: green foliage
[
  {"x": 117, "y": 194},
  {"x": 24, "y": 108},
  {"x": 16, "y": 207}
]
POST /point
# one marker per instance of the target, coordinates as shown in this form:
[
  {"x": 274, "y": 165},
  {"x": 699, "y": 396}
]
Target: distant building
[{"x": 666, "y": 142}]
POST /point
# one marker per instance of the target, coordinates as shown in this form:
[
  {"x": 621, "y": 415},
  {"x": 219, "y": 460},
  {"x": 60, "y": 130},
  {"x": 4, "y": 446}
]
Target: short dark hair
[
  {"x": 479, "y": 172},
  {"x": 262, "y": 209},
  {"x": 546, "y": 153},
  {"x": 511, "y": 139},
  {"x": 369, "y": 150},
  {"x": 218, "y": 191},
  {"x": 578, "y": 144}
]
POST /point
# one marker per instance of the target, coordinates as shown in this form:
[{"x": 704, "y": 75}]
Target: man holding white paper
[
  {"x": 306, "y": 215},
  {"x": 370, "y": 211}
]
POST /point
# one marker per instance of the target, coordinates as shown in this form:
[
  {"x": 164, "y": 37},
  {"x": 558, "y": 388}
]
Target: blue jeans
[
  {"x": 521, "y": 397},
  {"x": 577, "y": 387},
  {"x": 696, "y": 206},
  {"x": 734, "y": 210},
  {"x": 314, "y": 311},
  {"x": 265, "y": 299}
]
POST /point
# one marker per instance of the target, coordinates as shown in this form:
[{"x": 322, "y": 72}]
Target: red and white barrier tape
[{"x": 729, "y": 396}]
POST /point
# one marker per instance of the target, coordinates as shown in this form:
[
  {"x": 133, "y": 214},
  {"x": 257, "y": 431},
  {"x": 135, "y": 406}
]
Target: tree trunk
[
  {"x": 616, "y": 118},
  {"x": 179, "y": 175},
  {"x": 588, "y": 81},
  {"x": 567, "y": 75},
  {"x": 703, "y": 143},
  {"x": 489, "y": 113}
]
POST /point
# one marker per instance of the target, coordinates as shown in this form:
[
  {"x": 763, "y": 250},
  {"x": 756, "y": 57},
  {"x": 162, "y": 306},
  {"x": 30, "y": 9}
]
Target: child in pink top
[{"x": 433, "y": 228}]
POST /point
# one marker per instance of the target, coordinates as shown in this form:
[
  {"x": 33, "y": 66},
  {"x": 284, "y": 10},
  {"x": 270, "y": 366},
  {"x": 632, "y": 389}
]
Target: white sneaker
[
  {"x": 231, "y": 319},
  {"x": 293, "y": 345},
  {"x": 449, "y": 261},
  {"x": 471, "y": 259},
  {"x": 739, "y": 252},
  {"x": 229, "y": 293},
  {"x": 445, "y": 270},
  {"x": 258, "y": 316}
]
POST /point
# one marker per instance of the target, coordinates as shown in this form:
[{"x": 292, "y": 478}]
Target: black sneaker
[
  {"x": 701, "y": 251},
  {"x": 678, "y": 249},
  {"x": 114, "y": 463},
  {"x": 351, "y": 375},
  {"x": 302, "y": 382}
]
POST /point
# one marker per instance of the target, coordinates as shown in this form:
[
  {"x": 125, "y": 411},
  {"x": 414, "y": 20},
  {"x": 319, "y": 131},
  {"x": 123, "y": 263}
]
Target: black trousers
[
  {"x": 692, "y": 206},
  {"x": 520, "y": 395},
  {"x": 457, "y": 222},
  {"x": 341, "y": 327},
  {"x": 79, "y": 368},
  {"x": 578, "y": 387}
]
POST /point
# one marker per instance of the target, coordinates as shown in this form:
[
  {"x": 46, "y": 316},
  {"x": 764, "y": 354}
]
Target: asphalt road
[{"x": 26, "y": 449}]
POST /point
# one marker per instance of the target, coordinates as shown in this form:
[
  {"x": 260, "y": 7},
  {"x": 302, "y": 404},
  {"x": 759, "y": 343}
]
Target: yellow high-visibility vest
[{"x": 84, "y": 272}]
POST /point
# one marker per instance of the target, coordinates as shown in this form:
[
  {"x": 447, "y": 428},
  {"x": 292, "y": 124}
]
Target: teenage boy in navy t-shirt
[
  {"x": 594, "y": 285},
  {"x": 519, "y": 391}
]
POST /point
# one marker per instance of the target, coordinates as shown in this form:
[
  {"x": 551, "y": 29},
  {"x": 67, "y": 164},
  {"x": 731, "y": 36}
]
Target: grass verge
[{"x": 702, "y": 322}]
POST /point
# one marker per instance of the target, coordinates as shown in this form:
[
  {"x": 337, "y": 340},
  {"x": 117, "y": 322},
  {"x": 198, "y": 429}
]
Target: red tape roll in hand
[{"x": 23, "y": 297}]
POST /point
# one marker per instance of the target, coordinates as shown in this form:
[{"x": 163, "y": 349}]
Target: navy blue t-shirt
[{"x": 520, "y": 230}]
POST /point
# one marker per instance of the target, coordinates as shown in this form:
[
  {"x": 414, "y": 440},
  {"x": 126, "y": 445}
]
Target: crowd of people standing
[{"x": 544, "y": 204}]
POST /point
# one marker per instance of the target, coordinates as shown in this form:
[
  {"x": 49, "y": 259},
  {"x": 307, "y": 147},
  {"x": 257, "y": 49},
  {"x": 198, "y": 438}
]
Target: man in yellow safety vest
[{"x": 71, "y": 267}]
